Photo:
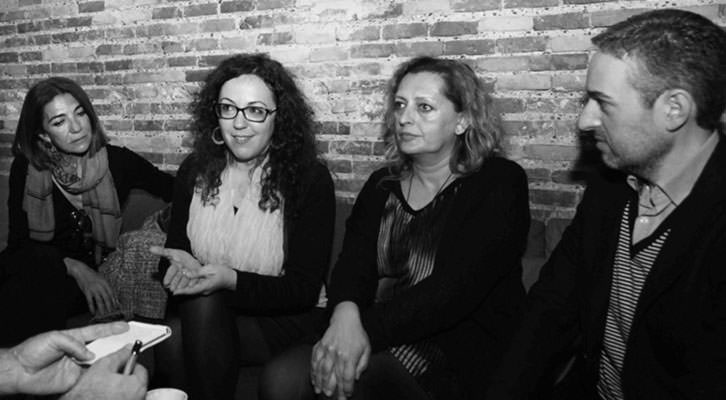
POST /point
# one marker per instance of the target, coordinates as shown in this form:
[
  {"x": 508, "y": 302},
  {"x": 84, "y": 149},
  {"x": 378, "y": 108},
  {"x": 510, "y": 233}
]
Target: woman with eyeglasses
[
  {"x": 427, "y": 285},
  {"x": 67, "y": 186},
  {"x": 251, "y": 229}
]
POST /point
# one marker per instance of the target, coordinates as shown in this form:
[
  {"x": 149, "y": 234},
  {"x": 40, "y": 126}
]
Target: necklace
[{"x": 410, "y": 185}]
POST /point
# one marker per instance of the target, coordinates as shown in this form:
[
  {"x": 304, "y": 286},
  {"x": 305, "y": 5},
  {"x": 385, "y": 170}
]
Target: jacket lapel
[{"x": 688, "y": 219}]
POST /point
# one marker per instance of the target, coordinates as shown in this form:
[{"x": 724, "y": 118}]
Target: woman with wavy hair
[
  {"x": 67, "y": 187},
  {"x": 251, "y": 226},
  {"x": 424, "y": 292}
]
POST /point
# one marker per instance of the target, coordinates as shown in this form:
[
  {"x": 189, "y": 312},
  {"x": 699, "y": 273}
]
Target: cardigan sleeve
[
  {"x": 309, "y": 242},
  {"x": 130, "y": 171},
  {"x": 176, "y": 235},
  {"x": 550, "y": 313},
  {"x": 483, "y": 241},
  {"x": 355, "y": 275}
]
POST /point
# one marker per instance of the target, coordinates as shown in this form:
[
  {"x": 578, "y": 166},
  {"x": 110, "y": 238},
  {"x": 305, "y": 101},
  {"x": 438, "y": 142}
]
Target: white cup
[{"x": 166, "y": 394}]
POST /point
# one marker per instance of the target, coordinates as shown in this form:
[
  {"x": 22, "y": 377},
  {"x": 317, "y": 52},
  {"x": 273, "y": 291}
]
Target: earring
[
  {"x": 459, "y": 130},
  {"x": 216, "y": 141}
]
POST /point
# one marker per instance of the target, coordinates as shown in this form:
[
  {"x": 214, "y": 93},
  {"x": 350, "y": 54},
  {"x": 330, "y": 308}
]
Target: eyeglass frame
[{"x": 243, "y": 109}]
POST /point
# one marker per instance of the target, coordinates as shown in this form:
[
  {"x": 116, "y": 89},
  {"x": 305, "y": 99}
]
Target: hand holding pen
[
  {"x": 103, "y": 380},
  {"x": 131, "y": 362}
]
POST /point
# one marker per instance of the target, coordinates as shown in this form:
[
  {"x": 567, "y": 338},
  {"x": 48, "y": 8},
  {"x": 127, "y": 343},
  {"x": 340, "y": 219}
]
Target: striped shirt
[
  {"x": 630, "y": 271},
  {"x": 407, "y": 244}
]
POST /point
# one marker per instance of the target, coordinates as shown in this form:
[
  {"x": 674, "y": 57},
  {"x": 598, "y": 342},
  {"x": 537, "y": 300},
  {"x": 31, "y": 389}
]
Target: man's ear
[{"x": 678, "y": 107}]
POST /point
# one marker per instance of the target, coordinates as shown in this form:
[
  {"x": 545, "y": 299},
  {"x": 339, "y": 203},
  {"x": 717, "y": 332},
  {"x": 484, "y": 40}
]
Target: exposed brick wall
[{"x": 141, "y": 61}]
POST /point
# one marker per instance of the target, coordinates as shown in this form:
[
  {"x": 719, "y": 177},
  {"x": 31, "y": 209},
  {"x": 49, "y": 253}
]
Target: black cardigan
[
  {"x": 466, "y": 305},
  {"x": 308, "y": 241},
  {"x": 129, "y": 171}
]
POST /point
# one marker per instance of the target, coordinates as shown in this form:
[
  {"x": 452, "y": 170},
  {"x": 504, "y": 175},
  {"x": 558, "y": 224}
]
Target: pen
[{"x": 131, "y": 362}]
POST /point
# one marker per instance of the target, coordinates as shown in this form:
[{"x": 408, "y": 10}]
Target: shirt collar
[{"x": 676, "y": 188}]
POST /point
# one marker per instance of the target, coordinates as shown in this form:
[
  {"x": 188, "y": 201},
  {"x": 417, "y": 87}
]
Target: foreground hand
[
  {"x": 99, "y": 295},
  {"x": 342, "y": 354},
  {"x": 104, "y": 381},
  {"x": 43, "y": 365},
  {"x": 209, "y": 279}
]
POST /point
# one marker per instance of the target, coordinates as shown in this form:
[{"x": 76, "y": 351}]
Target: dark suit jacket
[{"x": 677, "y": 343}]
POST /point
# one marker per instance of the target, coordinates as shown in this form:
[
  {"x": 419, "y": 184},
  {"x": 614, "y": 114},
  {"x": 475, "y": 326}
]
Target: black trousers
[{"x": 216, "y": 340}]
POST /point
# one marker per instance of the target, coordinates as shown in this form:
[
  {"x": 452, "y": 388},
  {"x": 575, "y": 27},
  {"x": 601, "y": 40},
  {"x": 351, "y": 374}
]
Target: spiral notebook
[{"x": 148, "y": 334}]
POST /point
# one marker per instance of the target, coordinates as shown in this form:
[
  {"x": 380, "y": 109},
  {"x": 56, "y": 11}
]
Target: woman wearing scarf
[
  {"x": 67, "y": 185},
  {"x": 251, "y": 229}
]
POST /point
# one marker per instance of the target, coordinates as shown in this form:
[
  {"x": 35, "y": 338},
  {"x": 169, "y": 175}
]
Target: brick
[
  {"x": 611, "y": 17},
  {"x": 241, "y": 43},
  {"x": 349, "y": 185},
  {"x": 551, "y": 152},
  {"x": 117, "y": 65},
  {"x": 379, "y": 148},
  {"x": 109, "y": 49},
  {"x": 10, "y": 57},
  {"x": 25, "y": 3},
  {"x": 31, "y": 56},
  {"x": 274, "y": 38},
  {"x": 506, "y": 105},
  {"x": 425, "y": 7},
  {"x": 197, "y": 75},
  {"x": 569, "y": 81},
  {"x": 521, "y": 44},
  {"x": 501, "y": 64},
  {"x": 203, "y": 44},
  {"x": 524, "y": 81},
  {"x": 561, "y": 21},
  {"x": 39, "y": 69},
  {"x": 166, "y": 13},
  {"x": 537, "y": 174},
  {"x": 409, "y": 49},
  {"x": 236, "y": 6},
  {"x": 141, "y": 48},
  {"x": 89, "y": 66},
  {"x": 171, "y": 47},
  {"x": 569, "y": 43},
  {"x": 328, "y": 54},
  {"x": 404, "y": 31},
  {"x": 108, "y": 109},
  {"x": 505, "y": 23},
  {"x": 475, "y": 5},
  {"x": 481, "y": 46},
  {"x": 454, "y": 28},
  {"x": 40, "y": 40},
  {"x": 62, "y": 68},
  {"x": 197, "y": 10},
  {"x": 217, "y": 25},
  {"x": 340, "y": 166},
  {"x": 553, "y": 197},
  {"x": 15, "y": 42},
  {"x": 7, "y": 30},
  {"x": 149, "y": 63},
  {"x": 323, "y": 34},
  {"x": 370, "y": 129},
  {"x": 569, "y": 61},
  {"x": 91, "y": 6},
  {"x": 393, "y": 10},
  {"x": 148, "y": 125},
  {"x": 65, "y": 37},
  {"x": 77, "y": 22},
  {"x": 553, "y": 105},
  {"x": 528, "y": 128},
  {"x": 177, "y": 124},
  {"x": 366, "y": 33},
  {"x": 372, "y": 50},
  {"x": 322, "y": 146},
  {"x": 213, "y": 60},
  {"x": 187, "y": 61},
  {"x": 530, "y": 3},
  {"x": 583, "y": 1},
  {"x": 273, "y": 4}
]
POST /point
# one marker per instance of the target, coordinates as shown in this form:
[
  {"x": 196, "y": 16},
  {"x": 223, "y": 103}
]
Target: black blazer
[{"x": 677, "y": 343}]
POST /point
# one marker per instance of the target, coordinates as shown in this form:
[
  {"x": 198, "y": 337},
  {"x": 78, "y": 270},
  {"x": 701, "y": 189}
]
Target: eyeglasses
[
  {"x": 251, "y": 113},
  {"x": 83, "y": 230}
]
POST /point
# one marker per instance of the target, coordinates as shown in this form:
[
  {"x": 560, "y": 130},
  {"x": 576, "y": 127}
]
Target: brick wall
[{"x": 141, "y": 61}]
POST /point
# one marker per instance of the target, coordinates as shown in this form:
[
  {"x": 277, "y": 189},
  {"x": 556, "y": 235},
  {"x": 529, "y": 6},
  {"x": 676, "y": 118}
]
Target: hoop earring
[{"x": 216, "y": 141}]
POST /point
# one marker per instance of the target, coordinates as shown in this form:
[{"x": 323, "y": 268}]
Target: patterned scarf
[{"x": 95, "y": 184}]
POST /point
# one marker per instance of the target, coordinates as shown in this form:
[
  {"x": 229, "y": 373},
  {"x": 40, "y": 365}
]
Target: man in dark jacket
[{"x": 639, "y": 278}]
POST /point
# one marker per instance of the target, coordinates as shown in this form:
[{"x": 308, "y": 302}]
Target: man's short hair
[{"x": 673, "y": 49}]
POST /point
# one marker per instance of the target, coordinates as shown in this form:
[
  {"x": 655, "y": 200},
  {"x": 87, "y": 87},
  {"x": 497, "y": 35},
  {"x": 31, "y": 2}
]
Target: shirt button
[{"x": 643, "y": 220}]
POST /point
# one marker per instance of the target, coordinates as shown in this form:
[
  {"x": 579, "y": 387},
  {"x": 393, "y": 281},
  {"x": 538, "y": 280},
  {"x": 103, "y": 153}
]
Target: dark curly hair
[{"x": 292, "y": 145}]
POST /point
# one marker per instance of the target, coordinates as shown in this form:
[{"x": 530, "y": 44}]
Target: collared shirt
[{"x": 657, "y": 200}]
